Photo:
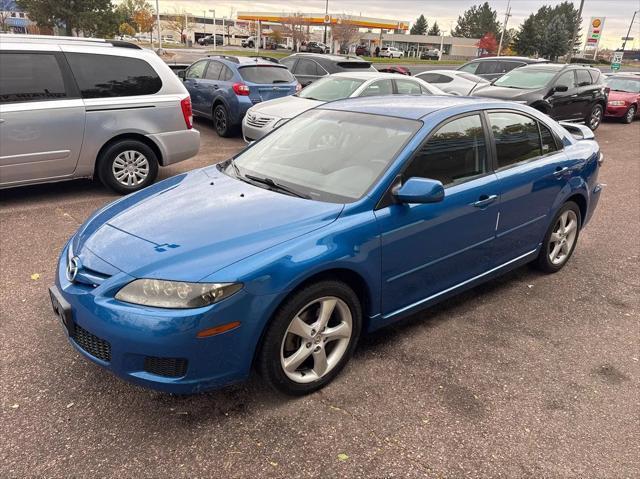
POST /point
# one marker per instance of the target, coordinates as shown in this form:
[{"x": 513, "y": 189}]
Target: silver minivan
[{"x": 78, "y": 107}]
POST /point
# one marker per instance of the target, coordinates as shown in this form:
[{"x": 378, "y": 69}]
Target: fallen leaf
[
  {"x": 15, "y": 406},
  {"x": 273, "y": 463},
  {"x": 35, "y": 276},
  {"x": 69, "y": 405},
  {"x": 342, "y": 456}
]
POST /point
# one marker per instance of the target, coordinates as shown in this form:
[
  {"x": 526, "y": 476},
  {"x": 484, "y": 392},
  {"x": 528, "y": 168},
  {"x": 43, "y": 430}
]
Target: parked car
[
  {"x": 178, "y": 67},
  {"x": 82, "y": 108},
  {"x": 264, "y": 117},
  {"x": 391, "y": 52},
  {"x": 224, "y": 87},
  {"x": 363, "y": 51},
  {"x": 453, "y": 81},
  {"x": 396, "y": 69},
  {"x": 491, "y": 68},
  {"x": 208, "y": 40},
  {"x": 564, "y": 92},
  {"x": 348, "y": 218},
  {"x": 316, "y": 47},
  {"x": 430, "y": 54},
  {"x": 309, "y": 67},
  {"x": 624, "y": 97}
]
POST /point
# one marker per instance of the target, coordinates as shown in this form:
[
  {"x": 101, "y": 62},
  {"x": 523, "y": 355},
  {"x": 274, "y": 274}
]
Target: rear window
[
  {"x": 266, "y": 74},
  {"x": 366, "y": 66},
  {"x": 104, "y": 76},
  {"x": 30, "y": 77}
]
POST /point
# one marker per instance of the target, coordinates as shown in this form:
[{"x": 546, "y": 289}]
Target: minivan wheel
[
  {"x": 221, "y": 121},
  {"x": 561, "y": 239},
  {"x": 630, "y": 114},
  {"x": 311, "y": 338},
  {"x": 595, "y": 118},
  {"x": 127, "y": 166}
]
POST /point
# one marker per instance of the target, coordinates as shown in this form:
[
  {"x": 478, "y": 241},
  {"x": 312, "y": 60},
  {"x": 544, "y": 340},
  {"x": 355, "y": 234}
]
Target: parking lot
[{"x": 526, "y": 376}]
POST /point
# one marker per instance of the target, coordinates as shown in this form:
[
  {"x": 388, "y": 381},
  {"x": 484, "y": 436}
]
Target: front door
[
  {"x": 563, "y": 104},
  {"x": 42, "y": 118},
  {"x": 192, "y": 78},
  {"x": 430, "y": 248}
]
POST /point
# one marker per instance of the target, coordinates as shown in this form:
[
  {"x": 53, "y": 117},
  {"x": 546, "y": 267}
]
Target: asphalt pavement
[{"x": 527, "y": 376}]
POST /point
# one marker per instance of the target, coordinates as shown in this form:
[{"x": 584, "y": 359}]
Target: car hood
[
  {"x": 286, "y": 107},
  {"x": 190, "y": 226},
  {"x": 503, "y": 93}
]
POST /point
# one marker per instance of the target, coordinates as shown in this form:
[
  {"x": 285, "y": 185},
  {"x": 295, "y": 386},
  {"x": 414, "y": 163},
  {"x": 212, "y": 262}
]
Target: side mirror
[
  {"x": 420, "y": 190},
  {"x": 559, "y": 88},
  {"x": 181, "y": 74}
]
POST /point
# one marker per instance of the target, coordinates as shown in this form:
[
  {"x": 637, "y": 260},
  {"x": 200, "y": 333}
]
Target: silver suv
[{"x": 79, "y": 107}]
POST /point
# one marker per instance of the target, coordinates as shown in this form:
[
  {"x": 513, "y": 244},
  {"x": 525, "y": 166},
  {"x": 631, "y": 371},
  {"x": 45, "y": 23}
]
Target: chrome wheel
[
  {"x": 563, "y": 237},
  {"x": 316, "y": 340},
  {"x": 130, "y": 168},
  {"x": 596, "y": 117},
  {"x": 631, "y": 113}
]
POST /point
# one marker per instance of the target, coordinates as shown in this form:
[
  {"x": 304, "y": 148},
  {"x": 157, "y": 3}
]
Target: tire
[
  {"x": 127, "y": 166},
  {"x": 629, "y": 115},
  {"x": 305, "y": 348},
  {"x": 595, "y": 117},
  {"x": 251, "y": 44},
  {"x": 544, "y": 260},
  {"x": 221, "y": 121}
]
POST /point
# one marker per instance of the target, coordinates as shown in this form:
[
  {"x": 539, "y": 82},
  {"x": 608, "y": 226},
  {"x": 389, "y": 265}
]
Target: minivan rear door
[
  {"x": 42, "y": 118},
  {"x": 267, "y": 82}
]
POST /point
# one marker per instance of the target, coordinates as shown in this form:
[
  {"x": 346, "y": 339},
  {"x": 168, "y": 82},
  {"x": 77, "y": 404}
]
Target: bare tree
[
  {"x": 295, "y": 26},
  {"x": 178, "y": 22},
  {"x": 345, "y": 33}
]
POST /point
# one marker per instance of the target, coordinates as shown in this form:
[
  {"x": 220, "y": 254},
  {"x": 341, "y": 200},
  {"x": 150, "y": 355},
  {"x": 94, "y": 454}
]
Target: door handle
[
  {"x": 560, "y": 171},
  {"x": 2, "y": 120},
  {"x": 484, "y": 200},
  {"x": 216, "y": 87}
]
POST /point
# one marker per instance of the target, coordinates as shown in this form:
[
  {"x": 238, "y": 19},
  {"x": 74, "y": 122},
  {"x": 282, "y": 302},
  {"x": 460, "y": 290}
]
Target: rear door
[
  {"x": 42, "y": 118},
  {"x": 587, "y": 92},
  {"x": 307, "y": 71}
]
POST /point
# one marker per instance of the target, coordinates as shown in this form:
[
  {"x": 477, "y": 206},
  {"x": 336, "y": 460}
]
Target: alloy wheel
[
  {"x": 220, "y": 119},
  {"x": 316, "y": 340},
  {"x": 596, "y": 117},
  {"x": 130, "y": 168},
  {"x": 631, "y": 113},
  {"x": 563, "y": 237}
]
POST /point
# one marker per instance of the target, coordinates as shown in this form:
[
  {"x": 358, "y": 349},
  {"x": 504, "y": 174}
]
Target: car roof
[
  {"x": 62, "y": 40},
  {"x": 520, "y": 59},
  {"x": 244, "y": 61},
  {"x": 329, "y": 57},
  {"x": 556, "y": 66},
  {"x": 410, "y": 107},
  {"x": 368, "y": 75}
]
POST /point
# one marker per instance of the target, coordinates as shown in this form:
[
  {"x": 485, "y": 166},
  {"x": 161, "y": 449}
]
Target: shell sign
[{"x": 595, "y": 31}]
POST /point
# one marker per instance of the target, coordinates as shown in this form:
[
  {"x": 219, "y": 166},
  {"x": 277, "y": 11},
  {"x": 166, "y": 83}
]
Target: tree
[
  {"x": 71, "y": 15},
  {"x": 488, "y": 43},
  {"x": 145, "y": 21},
  {"x": 295, "y": 24},
  {"x": 557, "y": 39},
  {"x": 435, "y": 30},
  {"x": 126, "y": 29},
  {"x": 420, "y": 27},
  {"x": 178, "y": 23},
  {"x": 345, "y": 33},
  {"x": 526, "y": 40},
  {"x": 477, "y": 21}
]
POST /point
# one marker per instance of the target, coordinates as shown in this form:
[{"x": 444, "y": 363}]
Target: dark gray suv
[
  {"x": 309, "y": 67},
  {"x": 491, "y": 68}
]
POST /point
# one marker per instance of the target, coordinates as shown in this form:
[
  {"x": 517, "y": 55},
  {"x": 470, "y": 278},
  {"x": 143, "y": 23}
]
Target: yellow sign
[{"x": 596, "y": 23}]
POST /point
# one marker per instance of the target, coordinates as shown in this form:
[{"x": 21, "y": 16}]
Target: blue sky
[{"x": 618, "y": 12}]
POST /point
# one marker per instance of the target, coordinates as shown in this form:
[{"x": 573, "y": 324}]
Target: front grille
[
  {"x": 258, "y": 121},
  {"x": 92, "y": 344},
  {"x": 168, "y": 367}
]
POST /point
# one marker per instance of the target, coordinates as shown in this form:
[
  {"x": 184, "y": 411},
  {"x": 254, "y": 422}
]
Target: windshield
[
  {"x": 331, "y": 88},
  {"x": 631, "y": 85},
  {"x": 525, "y": 78},
  {"x": 266, "y": 74},
  {"x": 326, "y": 155}
]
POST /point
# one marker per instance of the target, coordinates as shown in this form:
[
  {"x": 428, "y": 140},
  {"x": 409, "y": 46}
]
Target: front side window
[
  {"x": 470, "y": 67},
  {"x": 567, "y": 79},
  {"x": 408, "y": 87},
  {"x": 331, "y": 88},
  {"x": 196, "y": 70},
  {"x": 328, "y": 155},
  {"x": 30, "y": 77},
  {"x": 377, "y": 88},
  {"x": 455, "y": 153},
  {"x": 517, "y": 138},
  {"x": 103, "y": 76}
]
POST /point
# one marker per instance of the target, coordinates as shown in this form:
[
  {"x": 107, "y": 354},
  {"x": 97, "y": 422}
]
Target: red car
[
  {"x": 395, "y": 69},
  {"x": 624, "y": 97}
]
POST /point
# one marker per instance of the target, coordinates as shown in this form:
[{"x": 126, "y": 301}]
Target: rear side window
[
  {"x": 364, "y": 66},
  {"x": 266, "y": 74},
  {"x": 30, "y": 77},
  {"x": 227, "y": 74},
  {"x": 288, "y": 62},
  {"x": 307, "y": 67},
  {"x": 457, "y": 152},
  {"x": 584, "y": 78},
  {"x": 517, "y": 138},
  {"x": 213, "y": 71},
  {"x": 548, "y": 141},
  {"x": 487, "y": 67},
  {"x": 507, "y": 66},
  {"x": 435, "y": 78},
  {"x": 408, "y": 87},
  {"x": 104, "y": 76},
  {"x": 380, "y": 87}
]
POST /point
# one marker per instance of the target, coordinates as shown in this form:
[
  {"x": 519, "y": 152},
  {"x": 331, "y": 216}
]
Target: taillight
[
  {"x": 187, "y": 112},
  {"x": 298, "y": 88},
  {"x": 241, "y": 89}
]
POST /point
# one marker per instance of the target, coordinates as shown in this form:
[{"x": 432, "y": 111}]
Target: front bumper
[
  {"x": 177, "y": 146},
  {"x": 158, "y": 348},
  {"x": 253, "y": 133},
  {"x": 616, "y": 111}
]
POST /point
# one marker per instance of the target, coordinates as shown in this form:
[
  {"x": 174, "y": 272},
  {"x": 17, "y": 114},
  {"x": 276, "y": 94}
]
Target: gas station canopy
[{"x": 321, "y": 19}]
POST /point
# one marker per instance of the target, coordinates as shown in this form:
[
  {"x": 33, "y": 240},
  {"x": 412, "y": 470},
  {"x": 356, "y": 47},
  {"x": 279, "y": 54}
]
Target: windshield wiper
[{"x": 276, "y": 186}]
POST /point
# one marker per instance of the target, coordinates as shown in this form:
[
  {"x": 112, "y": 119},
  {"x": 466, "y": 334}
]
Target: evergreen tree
[
  {"x": 477, "y": 21},
  {"x": 526, "y": 41},
  {"x": 557, "y": 39},
  {"x": 435, "y": 30},
  {"x": 420, "y": 27}
]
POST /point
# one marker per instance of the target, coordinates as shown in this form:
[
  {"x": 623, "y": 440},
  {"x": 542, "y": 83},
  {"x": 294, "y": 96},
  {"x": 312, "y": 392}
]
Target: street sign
[
  {"x": 616, "y": 62},
  {"x": 327, "y": 19},
  {"x": 595, "y": 31}
]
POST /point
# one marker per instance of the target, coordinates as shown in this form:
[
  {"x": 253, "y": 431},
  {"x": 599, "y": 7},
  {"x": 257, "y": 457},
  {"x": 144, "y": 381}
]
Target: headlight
[
  {"x": 280, "y": 122},
  {"x": 617, "y": 103},
  {"x": 175, "y": 294}
]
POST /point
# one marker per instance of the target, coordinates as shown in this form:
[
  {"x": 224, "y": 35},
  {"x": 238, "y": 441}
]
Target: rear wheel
[
  {"x": 595, "y": 117},
  {"x": 127, "y": 166},
  {"x": 630, "y": 114},
  {"x": 221, "y": 121},
  {"x": 561, "y": 239}
]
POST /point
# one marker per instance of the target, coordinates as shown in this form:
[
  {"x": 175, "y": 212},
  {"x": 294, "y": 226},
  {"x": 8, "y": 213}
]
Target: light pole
[
  {"x": 575, "y": 32},
  {"x": 326, "y": 12},
  {"x": 441, "y": 45},
  {"x": 215, "y": 47},
  {"x": 223, "y": 30},
  {"x": 158, "y": 22},
  {"x": 204, "y": 17},
  {"x": 629, "y": 31},
  {"x": 506, "y": 20}
]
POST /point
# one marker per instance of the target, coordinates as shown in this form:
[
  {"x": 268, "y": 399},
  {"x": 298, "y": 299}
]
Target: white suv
[
  {"x": 81, "y": 108},
  {"x": 391, "y": 52}
]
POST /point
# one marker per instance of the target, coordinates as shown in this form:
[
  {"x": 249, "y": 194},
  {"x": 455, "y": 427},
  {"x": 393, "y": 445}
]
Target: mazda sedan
[{"x": 344, "y": 220}]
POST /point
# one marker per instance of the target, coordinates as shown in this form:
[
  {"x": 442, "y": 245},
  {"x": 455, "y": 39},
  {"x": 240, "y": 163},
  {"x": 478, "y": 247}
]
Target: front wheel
[
  {"x": 127, "y": 166},
  {"x": 630, "y": 114},
  {"x": 595, "y": 117},
  {"x": 311, "y": 338},
  {"x": 561, "y": 239}
]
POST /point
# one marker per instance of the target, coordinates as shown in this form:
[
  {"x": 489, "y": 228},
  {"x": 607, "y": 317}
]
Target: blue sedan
[{"x": 346, "y": 219}]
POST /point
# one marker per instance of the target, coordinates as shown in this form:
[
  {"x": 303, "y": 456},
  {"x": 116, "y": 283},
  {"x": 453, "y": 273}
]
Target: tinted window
[
  {"x": 548, "y": 141},
  {"x": 470, "y": 67},
  {"x": 435, "y": 78},
  {"x": 266, "y": 74},
  {"x": 101, "y": 76},
  {"x": 196, "y": 70},
  {"x": 288, "y": 62},
  {"x": 213, "y": 71},
  {"x": 307, "y": 67},
  {"x": 486, "y": 68},
  {"x": 455, "y": 153},
  {"x": 408, "y": 87},
  {"x": 226, "y": 74},
  {"x": 380, "y": 87},
  {"x": 30, "y": 77},
  {"x": 507, "y": 66},
  {"x": 566, "y": 79},
  {"x": 517, "y": 138},
  {"x": 584, "y": 78}
]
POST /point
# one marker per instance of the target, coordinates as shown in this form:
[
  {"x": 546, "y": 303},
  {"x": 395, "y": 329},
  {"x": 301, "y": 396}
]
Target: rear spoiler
[{"x": 579, "y": 132}]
